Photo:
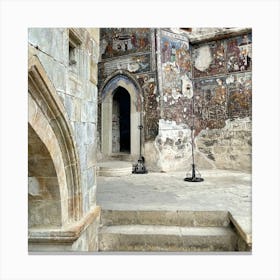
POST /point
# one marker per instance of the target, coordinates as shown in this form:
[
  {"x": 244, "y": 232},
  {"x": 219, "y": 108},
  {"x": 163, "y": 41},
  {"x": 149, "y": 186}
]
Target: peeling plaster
[{"x": 203, "y": 58}]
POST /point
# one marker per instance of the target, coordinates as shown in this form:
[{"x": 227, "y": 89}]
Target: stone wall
[{"x": 69, "y": 57}]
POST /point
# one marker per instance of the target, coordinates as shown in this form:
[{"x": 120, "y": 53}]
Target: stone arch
[
  {"x": 121, "y": 79},
  {"x": 47, "y": 117}
]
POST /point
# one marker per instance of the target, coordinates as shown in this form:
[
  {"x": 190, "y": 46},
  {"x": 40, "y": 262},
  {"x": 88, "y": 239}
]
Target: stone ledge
[
  {"x": 68, "y": 234},
  {"x": 245, "y": 234}
]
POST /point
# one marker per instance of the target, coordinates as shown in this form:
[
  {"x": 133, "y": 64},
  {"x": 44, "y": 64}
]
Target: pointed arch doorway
[
  {"x": 120, "y": 116},
  {"x": 121, "y": 121}
]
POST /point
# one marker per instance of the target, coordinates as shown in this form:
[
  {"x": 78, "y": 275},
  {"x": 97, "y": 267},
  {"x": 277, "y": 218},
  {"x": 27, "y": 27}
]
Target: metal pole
[
  {"x": 193, "y": 177},
  {"x": 139, "y": 167}
]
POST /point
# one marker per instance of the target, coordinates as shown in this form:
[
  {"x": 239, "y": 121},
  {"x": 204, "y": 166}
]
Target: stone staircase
[{"x": 166, "y": 231}]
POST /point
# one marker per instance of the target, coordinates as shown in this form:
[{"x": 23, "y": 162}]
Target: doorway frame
[{"x": 121, "y": 78}]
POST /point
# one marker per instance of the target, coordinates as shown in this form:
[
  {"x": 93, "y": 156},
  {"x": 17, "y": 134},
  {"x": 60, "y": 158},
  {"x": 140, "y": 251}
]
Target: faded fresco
[
  {"x": 210, "y": 103},
  {"x": 240, "y": 95},
  {"x": 209, "y": 59},
  {"x": 239, "y": 53},
  {"x": 222, "y": 96},
  {"x": 151, "y": 106},
  {"x": 133, "y": 64},
  {"x": 176, "y": 78},
  {"x": 122, "y": 41},
  {"x": 176, "y": 63}
]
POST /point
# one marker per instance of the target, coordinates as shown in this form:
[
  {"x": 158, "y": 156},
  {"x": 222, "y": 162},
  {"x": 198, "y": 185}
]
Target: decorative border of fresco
[
  {"x": 116, "y": 42},
  {"x": 133, "y": 64},
  {"x": 175, "y": 36}
]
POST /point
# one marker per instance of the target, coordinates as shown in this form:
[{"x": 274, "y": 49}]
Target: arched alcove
[{"x": 120, "y": 81}]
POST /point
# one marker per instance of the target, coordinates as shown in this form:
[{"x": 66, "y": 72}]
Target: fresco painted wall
[
  {"x": 175, "y": 69},
  {"x": 239, "y": 53},
  {"x": 209, "y": 59},
  {"x": 170, "y": 71},
  {"x": 151, "y": 105},
  {"x": 133, "y": 50},
  {"x": 123, "y": 41},
  {"x": 223, "y": 101}
]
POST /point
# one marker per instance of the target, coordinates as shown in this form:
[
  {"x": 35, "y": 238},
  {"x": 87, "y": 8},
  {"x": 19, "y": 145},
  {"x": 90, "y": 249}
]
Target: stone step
[
  {"x": 114, "y": 168},
  {"x": 151, "y": 238},
  {"x": 123, "y": 157},
  {"x": 167, "y": 218}
]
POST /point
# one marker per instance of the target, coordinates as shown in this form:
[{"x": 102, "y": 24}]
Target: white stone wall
[
  {"x": 77, "y": 87},
  {"x": 171, "y": 149}
]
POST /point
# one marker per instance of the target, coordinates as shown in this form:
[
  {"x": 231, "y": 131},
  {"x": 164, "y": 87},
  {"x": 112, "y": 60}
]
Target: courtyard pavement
[{"x": 221, "y": 190}]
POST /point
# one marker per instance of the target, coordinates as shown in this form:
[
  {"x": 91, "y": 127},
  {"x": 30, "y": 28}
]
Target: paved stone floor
[{"x": 221, "y": 190}]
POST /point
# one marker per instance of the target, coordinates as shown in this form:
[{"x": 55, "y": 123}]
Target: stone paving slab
[
  {"x": 221, "y": 190},
  {"x": 166, "y": 238}
]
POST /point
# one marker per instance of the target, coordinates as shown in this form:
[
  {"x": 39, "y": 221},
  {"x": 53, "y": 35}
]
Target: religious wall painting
[
  {"x": 210, "y": 101},
  {"x": 176, "y": 76},
  {"x": 176, "y": 53},
  {"x": 240, "y": 95},
  {"x": 123, "y": 41},
  {"x": 151, "y": 105},
  {"x": 239, "y": 53}
]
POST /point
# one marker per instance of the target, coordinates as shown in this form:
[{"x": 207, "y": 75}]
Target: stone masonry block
[
  {"x": 83, "y": 157},
  {"x": 81, "y": 133},
  {"x": 51, "y": 41},
  {"x": 90, "y": 178},
  {"x": 55, "y": 71},
  {"x": 91, "y": 133},
  {"x": 69, "y": 106},
  {"x": 91, "y": 154}
]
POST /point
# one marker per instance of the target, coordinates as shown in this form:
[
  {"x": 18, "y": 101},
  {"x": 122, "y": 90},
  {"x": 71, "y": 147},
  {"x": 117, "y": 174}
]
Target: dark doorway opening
[{"x": 121, "y": 111}]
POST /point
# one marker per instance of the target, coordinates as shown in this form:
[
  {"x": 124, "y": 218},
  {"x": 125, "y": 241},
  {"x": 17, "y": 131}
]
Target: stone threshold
[{"x": 67, "y": 234}]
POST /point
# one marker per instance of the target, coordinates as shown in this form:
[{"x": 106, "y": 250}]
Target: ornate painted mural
[
  {"x": 210, "y": 103},
  {"x": 176, "y": 77},
  {"x": 176, "y": 64},
  {"x": 122, "y": 41},
  {"x": 239, "y": 53},
  {"x": 222, "y": 96},
  {"x": 240, "y": 95},
  {"x": 222, "y": 57}
]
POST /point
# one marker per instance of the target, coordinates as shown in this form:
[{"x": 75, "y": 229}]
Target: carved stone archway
[
  {"x": 47, "y": 117},
  {"x": 121, "y": 79}
]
